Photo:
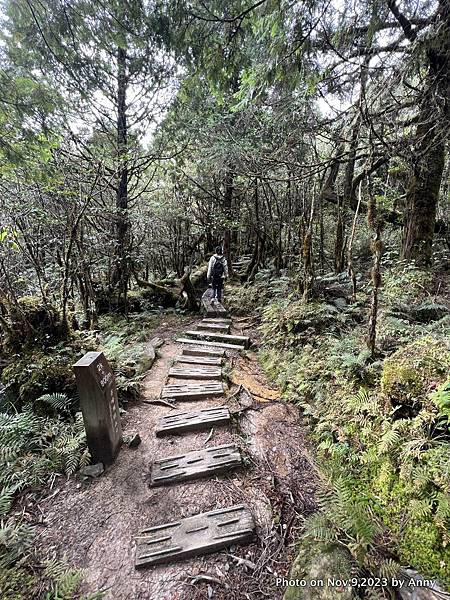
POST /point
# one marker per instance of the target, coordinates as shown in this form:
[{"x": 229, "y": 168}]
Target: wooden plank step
[
  {"x": 192, "y": 391},
  {"x": 198, "y": 463},
  {"x": 194, "y": 536},
  {"x": 213, "y": 327},
  {"x": 180, "y": 422},
  {"x": 242, "y": 340},
  {"x": 202, "y": 352},
  {"x": 217, "y": 320},
  {"x": 195, "y": 372},
  {"x": 213, "y": 309},
  {"x": 199, "y": 360},
  {"x": 215, "y": 344}
]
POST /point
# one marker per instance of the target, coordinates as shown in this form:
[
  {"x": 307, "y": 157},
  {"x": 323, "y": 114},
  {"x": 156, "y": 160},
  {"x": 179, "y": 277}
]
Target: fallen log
[{"x": 177, "y": 291}]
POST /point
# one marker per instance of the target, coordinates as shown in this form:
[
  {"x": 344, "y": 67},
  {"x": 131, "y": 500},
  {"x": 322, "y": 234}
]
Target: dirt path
[{"x": 93, "y": 523}]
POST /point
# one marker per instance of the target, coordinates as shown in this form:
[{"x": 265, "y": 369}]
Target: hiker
[{"x": 217, "y": 273}]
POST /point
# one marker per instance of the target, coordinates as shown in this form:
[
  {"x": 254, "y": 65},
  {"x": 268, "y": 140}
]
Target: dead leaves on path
[{"x": 244, "y": 375}]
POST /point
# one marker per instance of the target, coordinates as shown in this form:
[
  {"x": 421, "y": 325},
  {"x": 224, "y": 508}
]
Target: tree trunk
[
  {"x": 121, "y": 263},
  {"x": 423, "y": 190},
  {"x": 228, "y": 204},
  {"x": 423, "y": 194}
]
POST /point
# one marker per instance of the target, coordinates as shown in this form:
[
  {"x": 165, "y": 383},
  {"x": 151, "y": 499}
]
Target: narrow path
[{"x": 94, "y": 523}]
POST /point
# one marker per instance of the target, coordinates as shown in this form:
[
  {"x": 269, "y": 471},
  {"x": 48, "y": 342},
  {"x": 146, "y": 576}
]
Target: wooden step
[
  {"x": 194, "y": 536},
  {"x": 193, "y": 391},
  {"x": 217, "y": 320},
  {"x": 199, "y": 360},
  {"x": 202, "y": 352},
  {"x": 215, "y": 344},
  {"x": 241, "y": 340},
  {"x": 213, "y": 309},
  {"x": 195, "y": 464},
  {"x": 195, "y": 372},
  {"x": 213, "y": 327},
  {"x": 181, "y": 422}
]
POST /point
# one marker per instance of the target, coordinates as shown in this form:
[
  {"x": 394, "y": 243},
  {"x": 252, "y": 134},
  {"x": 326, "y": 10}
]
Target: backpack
[{"x": 218, "y": 269}]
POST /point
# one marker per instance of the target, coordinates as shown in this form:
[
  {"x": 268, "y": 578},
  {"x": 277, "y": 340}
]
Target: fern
[
  {"x": 33, "y": 448},
  {"x": 441, "y": 398},
  {"x": 58, "y": 403},
  {"x": 6, "y": 498},
  {"x": 63, "y": 581},
  {"x": 390, "y": 437},
  {"x": 420, "y": 509},
  {"x": 443, "y": 509},
  {"x": 15, "y": 542},
  {"x": 388, "y": 568}
]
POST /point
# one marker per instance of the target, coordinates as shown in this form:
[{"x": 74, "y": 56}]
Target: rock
[
  {"x": 132, "y": 440},
  {"x": 156, "y": 342},
  {"x": 416, "y": 587},
  {"x": 145, "y": 361},
  {"x": 340, "y": 303},
  {"x": 93, "y": 470},
  {"x": 315, "y": 566}
]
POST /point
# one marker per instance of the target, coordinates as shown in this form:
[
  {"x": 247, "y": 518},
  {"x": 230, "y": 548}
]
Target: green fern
[
  {"x": 388, "y": 568},
  {"x": 420, "y": 509},
  {"x": 390, "y": 438},
  {"x": 6, "y": 498},
  {"x": 58, "y": 403},
  {"x": 15, "y": 542},
  {"x": 443, "y": 508}
]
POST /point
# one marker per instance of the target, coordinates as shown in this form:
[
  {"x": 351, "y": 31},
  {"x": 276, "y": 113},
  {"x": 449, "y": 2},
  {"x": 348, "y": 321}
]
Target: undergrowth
[
  {"x": 34, "y": 449},
  {"x": 42, "y": 437},
  {"x": 380, "y": 427}
]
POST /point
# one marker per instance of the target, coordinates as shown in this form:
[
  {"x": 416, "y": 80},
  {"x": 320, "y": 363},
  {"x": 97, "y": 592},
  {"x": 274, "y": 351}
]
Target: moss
[
  {"x": 32, "y": 323},
  {"x": 17, "y": 584},
  {"x": 287, "y": 323},
  {"x": 316, "y": 563},
  {"x": 421, "y": 545},
  {"x": 107, "y": 301},
  {"x": 33, "y": 375},
  {"x": 414, "y": 371}
]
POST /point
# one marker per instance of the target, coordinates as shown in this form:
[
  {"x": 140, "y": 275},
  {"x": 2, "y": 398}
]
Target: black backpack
[{"x": 218, "y": 268}]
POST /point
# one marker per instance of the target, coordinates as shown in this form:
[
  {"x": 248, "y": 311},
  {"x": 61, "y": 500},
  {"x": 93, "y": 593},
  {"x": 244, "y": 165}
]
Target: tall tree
[
  {"x": 433, "y": 126},
  {"x": 109, "y": 60}
]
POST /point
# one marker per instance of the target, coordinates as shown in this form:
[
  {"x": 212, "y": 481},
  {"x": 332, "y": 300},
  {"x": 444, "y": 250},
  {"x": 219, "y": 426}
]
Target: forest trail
[{"x": 93, "y": 523}]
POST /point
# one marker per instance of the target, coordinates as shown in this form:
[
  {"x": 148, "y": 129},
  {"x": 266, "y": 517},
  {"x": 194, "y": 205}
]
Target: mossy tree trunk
[
  {"x": 376, "y": 225},
  {"x": 422, "y": 196},
  {"x": 429, "y": 155}
]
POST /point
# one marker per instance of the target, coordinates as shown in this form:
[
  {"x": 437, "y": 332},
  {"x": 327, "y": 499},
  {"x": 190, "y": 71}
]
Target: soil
[{"x": 93, "y": 523}]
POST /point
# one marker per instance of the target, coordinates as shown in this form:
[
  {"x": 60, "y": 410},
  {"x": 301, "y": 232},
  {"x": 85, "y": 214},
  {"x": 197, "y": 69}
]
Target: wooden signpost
[{"x": 98, "y": 400}]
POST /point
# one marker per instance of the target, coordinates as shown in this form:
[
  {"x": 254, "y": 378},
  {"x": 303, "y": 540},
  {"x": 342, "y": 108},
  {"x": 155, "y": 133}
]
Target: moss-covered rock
[
  {"x": 318, "y": 573},
  {"x": 33, "y": 375},
  {"x": 414, "y": 371},
  {"x": 31, "y": 322}
]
